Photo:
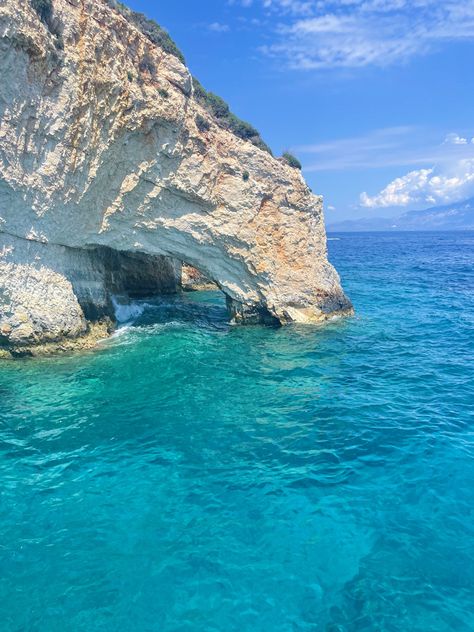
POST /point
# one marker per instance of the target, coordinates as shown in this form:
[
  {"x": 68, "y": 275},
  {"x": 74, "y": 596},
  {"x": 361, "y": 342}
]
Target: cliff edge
[{"x": 113, "y": 173}]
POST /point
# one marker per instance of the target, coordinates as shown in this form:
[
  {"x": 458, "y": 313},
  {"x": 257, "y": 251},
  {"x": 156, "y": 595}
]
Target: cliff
[{"x": 112, "y": 173}]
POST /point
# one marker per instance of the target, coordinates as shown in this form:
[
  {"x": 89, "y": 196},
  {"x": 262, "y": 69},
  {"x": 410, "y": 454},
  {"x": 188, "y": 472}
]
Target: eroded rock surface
[
  {"x": 99, "y": 148},
  {"x": 193, "y": 280}
]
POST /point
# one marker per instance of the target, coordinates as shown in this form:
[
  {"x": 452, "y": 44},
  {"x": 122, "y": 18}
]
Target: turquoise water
[{"x": 193, "y": 476}]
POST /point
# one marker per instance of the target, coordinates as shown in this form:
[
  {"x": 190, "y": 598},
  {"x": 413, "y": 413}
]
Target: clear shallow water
[{"x": 192, "y": 476}]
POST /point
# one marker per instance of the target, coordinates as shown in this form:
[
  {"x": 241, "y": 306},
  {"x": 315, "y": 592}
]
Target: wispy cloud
[
  {"x": 387, "y": 147},
  {"x": 218, "y": 27},
  {"x": 357, "y": 151},
  {"x": 297, "y": 7},
  {"x": 426, "y": 186},
  {"x": 319, "y": 34},
  {"x": 446, "y": 170},
  {"x": 455, "y": 139}
]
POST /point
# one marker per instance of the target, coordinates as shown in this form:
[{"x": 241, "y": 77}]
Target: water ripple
[{"x": 195, "y": 476}]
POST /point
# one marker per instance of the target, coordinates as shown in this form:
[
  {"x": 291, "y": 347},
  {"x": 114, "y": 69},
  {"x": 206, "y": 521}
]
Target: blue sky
[{"x": 374, "y": 96}]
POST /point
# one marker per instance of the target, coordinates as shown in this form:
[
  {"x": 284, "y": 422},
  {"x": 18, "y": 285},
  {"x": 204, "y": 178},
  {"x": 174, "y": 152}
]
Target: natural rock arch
[{"x": 99, "y": 151}]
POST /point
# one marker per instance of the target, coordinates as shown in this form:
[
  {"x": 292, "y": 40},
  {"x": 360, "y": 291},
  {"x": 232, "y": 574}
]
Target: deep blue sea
[{"x": 192, "y": 476}]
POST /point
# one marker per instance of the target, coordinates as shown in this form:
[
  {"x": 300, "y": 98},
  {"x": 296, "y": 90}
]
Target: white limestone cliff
[{"x": 100, "y": 152}]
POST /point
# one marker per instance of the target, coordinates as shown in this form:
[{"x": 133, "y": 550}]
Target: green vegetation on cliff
[
  {"x": 220, "y": 110},
  {"x": 212, "y": 102},
  {"x": 291, "y": 160},
  {"x": 149, "y": 28}
]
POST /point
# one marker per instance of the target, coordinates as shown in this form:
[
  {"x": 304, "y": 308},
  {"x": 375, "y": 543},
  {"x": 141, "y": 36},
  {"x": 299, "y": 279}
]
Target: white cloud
[
  {"x": 218, "y": 27},
  {"x": 450, "y": 179},
  {"x": 298, "y": 7},
  {"x": 317, "y": 34},
  {"x": 386, "y": 147},
  {"x": 244, "y": 3},
  {"x": 426, "y": 186},
  {"x": 455, "y": 139}
]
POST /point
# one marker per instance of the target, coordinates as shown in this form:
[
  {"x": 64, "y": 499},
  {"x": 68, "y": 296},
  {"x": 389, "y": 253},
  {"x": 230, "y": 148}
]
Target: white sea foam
[
  {"x": 126, "y": 312},
  {"x": 120, "y": 331}
]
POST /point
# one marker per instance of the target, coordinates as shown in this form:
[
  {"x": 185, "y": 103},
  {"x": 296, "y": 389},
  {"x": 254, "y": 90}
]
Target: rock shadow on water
[{"x": 204, "y": 309}]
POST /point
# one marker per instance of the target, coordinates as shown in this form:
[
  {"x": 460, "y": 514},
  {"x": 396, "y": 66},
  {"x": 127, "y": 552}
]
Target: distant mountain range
[{"x": 458, "y": 216}]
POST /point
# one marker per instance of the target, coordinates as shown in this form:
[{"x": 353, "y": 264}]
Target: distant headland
[{"x": 457, "y": 216}]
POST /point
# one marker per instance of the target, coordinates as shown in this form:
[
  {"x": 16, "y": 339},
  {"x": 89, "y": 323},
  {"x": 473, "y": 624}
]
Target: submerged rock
[{"x": 109, "y": 178}]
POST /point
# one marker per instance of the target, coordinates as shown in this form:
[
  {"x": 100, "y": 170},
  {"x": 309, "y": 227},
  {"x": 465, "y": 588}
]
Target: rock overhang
[{"x": 97, "y": 150}]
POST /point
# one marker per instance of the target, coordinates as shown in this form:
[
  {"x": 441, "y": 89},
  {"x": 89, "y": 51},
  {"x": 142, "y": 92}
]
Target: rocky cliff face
[{"x": 103, "y": 150}]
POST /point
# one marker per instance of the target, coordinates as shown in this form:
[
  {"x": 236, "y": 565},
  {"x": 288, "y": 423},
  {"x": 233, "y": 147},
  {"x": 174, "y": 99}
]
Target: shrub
[
  {"x": 242, "y": 129},
  {"x": 149, "y": 28},
  {"x": 261, "y": 144},
  {"x": 163, "y": 93},
  {"x": 216, "y": 106},
  {"x": 200, "y": 93},
  {"x": 212, "y": 102},
  {"x": 291, "y": 160},
  {"x": 202, "y": 124},
  {"x": 245, "y": 176},
  {"x": 130, "y": 76},
  {"x": 156, "y": 35}
]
